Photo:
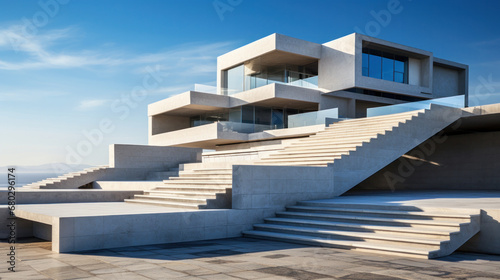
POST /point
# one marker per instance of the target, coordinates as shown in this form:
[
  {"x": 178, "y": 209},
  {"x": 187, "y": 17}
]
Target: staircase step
[
  {"x": 369, "y": 220},
  {"x": 302, "y": 158},
  {"x": 343, "y": 244},
  {"x": 198, "y": 182},
  {"x": 382, "y": 213},
  {"x": 295, "y": 163},
  {"x": 205, "y": 177},
  {"x": 427, "y": 244},
  {"x": 185, "y": 199},
  {"x": 206, "y": 195},
  {"x": 315, "y": 155},
  {"x": 219, "y": 188},
  {"x": 435, "y": 233},
  {"x": 165, "y": 204}
]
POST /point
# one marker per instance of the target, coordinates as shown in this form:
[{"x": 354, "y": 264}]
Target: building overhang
[
  {"x": 211, "y": 135},
  {"x": 193, "y": 103},
  {"x": 272, "y": 49}
]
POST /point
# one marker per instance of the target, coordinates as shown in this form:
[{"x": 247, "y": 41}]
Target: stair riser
[
  {"x": 180, "y": 183},
  {"x": 172, "y": 199},
  {"x": 347, "y": 219},
  {"x": 329, "y": 245},
  {"x": 215, "y": 178},
  {"x": 352, "y": 238},
  {"x": 193, "y": 189},
  {"x": 186, "y": 194},
  {"x": 301, "y": 159},
  {"x": 167, "y": 205},
  {"x": 380, "y": 215},
  {"x": 358, "y": 229}
]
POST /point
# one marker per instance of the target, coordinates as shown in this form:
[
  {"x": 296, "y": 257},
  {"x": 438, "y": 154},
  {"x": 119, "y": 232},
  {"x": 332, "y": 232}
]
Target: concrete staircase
[
  {"x": 358, "y": 148},
  {"x": 162, "y": 175},
  {"x": 400, "y": 230},
  {"x": 70, "y": 180},
  {"x": 192, "y": 189},
  {"x": 337, "y": 140}
]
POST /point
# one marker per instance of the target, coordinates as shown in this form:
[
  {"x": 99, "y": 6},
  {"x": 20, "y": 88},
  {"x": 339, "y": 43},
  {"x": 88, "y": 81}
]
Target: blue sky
[{"x": 68, "y": 66}]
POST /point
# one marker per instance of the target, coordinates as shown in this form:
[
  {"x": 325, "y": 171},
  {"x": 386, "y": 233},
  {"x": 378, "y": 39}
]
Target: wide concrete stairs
[
  {"x": 400, "y": 230},
  {"x": 192, "y": 189},
  {"x": 369, "y": 143},
  {"x": 337, "y": 140},
  {"x": 79, "y": 178},
  {"x": 358, "y": 148}
]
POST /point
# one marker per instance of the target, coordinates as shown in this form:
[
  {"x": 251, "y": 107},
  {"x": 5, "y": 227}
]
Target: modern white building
[
  {"x": 357, "y": 143},
  {"x": 262, "y": 84}
]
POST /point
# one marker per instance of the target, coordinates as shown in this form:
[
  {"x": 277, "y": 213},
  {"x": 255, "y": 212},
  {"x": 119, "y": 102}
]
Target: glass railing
[
  {"x": 313, "y": 118},
  {"x": 243, "y": 127},
  {"x": 453, "y": 101},
  {"x": 477, "y": 99},
  {"x": 205, "y": 88},
  {"x": 309, "y": 81}
]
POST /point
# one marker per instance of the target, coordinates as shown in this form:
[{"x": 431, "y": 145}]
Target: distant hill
[{"x": 55, "y": 168}]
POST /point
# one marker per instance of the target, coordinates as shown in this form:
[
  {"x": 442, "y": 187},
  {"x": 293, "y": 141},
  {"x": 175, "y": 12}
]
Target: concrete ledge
[
  {"x": 126, "y": 185},
  {"x": 111, "y": 225},
  {"x": 35, "y": 196}
]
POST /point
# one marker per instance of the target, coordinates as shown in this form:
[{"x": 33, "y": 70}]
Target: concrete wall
[
  {"x": 445, "y": 82},
  {"x": 166, "y": 123},
  {"x": 336, "y": 67},
  {"x": 273, "y": 187},
  {"x": 150, "y": 157},
  {"x": 26, "y": 228},
  {"x": 454, "y": 162},
  {"x": 423, "y": 89},
  {"x": 486, "y": 241},
  {"x": 414, "y": 71}
]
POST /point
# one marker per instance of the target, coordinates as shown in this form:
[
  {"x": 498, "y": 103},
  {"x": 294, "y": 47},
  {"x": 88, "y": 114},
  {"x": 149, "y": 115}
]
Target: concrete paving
[{"x": 238, "y": 258}]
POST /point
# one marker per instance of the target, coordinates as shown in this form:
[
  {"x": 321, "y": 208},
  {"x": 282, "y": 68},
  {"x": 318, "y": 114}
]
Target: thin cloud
[
  {"x": 38, "y": 53},
  {"x": 28, "y": 95},
  {"x": 86, "y": 105}
]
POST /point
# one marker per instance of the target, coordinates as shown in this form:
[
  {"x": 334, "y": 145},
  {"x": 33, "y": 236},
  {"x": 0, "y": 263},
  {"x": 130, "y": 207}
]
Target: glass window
[
  {"x": 247, "y": 114},
  {"x": 399, "y": 77},
  {"x": 399, "y": 66},
  {"x": 375, "y": 69},
  {"x": 386, "y": 66},
  {"x": 234, "y": 80},
  {"x": 365, "y": 64},
  {"x": 235, "y": 115},
  {"x": 277, "y": 119},
  {"x": 387, "y": 69},
  {"x": 262, "y": 115}
]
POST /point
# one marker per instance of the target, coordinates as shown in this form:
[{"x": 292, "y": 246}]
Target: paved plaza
[{"x": 240, "y": 258}]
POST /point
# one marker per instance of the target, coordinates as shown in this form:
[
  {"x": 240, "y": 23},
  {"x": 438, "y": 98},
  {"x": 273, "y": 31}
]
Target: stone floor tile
[
  {"x": 43, "y": 264},
  {"x": 66, "y": 272},
  {"x": 122, "y": 276},
  {"x": 160, "y": 273}
]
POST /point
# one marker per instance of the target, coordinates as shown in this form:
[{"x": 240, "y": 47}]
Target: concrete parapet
[{"x": 150, "y": 157}]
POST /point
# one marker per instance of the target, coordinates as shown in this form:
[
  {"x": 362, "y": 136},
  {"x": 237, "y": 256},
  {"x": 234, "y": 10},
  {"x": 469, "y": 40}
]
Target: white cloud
[
  {"x": 37, "y": 53},
  {"x": 28, "y": 95},
  {"x": 86, "y": 105}
]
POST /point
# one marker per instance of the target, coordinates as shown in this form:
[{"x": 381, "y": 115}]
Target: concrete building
[
  {"x": 263, "y": 83},
  {"x": 302, "y": 144}
]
